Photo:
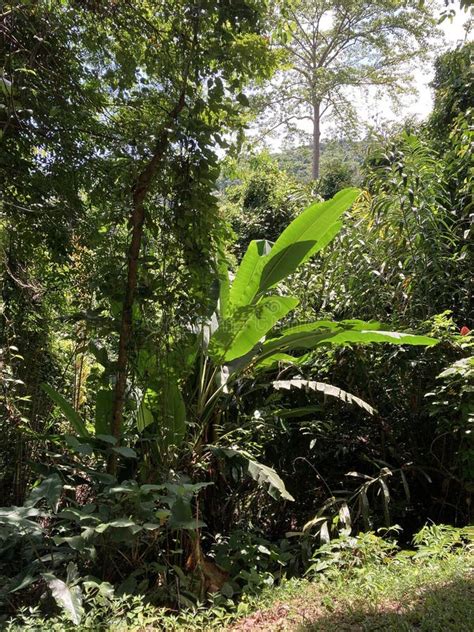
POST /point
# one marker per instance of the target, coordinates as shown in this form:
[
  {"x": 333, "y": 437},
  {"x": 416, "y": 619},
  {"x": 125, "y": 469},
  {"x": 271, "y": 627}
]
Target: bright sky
[{"x": 421, "y": 104}]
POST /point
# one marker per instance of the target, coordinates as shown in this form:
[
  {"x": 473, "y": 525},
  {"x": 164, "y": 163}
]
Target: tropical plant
[
  {"x": 78, "y": 534},
  {"x": 451, "y": 406},
  {"x": 184, "y": 408},
  {"x": 193, "y": 409}
]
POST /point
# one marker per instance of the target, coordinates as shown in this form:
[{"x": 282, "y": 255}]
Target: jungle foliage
[{"x": 215, "y": 373}]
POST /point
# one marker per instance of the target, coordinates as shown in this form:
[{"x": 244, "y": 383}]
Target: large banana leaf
[
  {"x": 239, "y": 333},
  {"x": 326, "y": 389},
  {"x": 305, "y": 236},
  {"x": 270, "y": 361},
  {"x": 315, "y": 334},
  {"x": 247, "y": 279},
  {"x": 263, "y": 266}
]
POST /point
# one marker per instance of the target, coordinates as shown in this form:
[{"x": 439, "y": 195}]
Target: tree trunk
[
  {"x": 316, "y": 137},
  {"x": 137, "y": 220}
]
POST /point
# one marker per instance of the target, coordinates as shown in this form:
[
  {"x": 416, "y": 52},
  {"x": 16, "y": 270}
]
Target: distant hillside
[{"x": 296, "y": 161}]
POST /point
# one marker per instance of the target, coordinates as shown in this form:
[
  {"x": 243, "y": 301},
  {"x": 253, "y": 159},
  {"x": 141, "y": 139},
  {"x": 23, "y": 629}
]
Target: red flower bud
[{"x": 465, "y": 330}]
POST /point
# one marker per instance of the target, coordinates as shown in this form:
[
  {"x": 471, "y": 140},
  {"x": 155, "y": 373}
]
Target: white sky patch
[{"x": 420, "y": 105}]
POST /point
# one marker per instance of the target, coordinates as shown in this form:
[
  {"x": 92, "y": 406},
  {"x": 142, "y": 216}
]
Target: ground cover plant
[{"x": 363, "y": 581}]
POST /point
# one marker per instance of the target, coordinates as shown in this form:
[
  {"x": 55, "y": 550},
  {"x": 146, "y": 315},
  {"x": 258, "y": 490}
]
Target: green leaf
[
  {"x": 262, "y": 474},
  {"x": 182, "y": 516},
  {"x": 325, "y": 240},
  {"x": 5, "y": 86},
  {"x": 128, "y": 453},
  {"x": 103, "y": 411},
  {"x": 326, "y": 389},
  {"x": 267, "y": 477},
  {"x": 151, "y": 526},
  {"x": 50, "y": 489},
  {"x": 144, "y": 417},
  {"x": 23, "y": 580},
  {"x": 319, "y": 333},
  {"x": 247, "y": 279},
  {"x": 72, "y": 415},
  {"x": 19, "y": 518},
  {"x": 76, "y": 542},
  {"x": 69, "y": 598},
  {"x": 173, "y": 415},
  {"x": 305, "y": 236},
  {"x": 77, "y": 446},
  {"x": 107, "y": 438},
  {"x": 269, "y": 362},
  {"x": 238, "y": 334},
  {"x": 122, "y": 523}
]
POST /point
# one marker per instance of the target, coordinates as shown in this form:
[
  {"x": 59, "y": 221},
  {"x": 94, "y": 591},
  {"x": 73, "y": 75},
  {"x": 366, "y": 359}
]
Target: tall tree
[
  {"x": 199, "y": 71},
  {"x": 110, "y": 118},
  {"x": 335, "y": 46}
]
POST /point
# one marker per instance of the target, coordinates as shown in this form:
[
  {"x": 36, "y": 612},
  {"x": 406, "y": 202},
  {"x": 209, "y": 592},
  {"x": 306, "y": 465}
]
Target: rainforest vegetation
[{"x": 236, "y": 358}]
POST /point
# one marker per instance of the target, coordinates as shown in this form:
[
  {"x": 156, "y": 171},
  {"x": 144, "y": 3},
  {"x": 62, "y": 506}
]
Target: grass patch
[
  {"x": 397, "y": 595},
  {"x": 362, "y": 588}
]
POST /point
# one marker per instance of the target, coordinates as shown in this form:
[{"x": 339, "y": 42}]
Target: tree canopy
[{"x": 335, "y": 48}]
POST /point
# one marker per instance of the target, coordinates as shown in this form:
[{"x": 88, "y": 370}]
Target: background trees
[
  {"x": 93, "y": 111},
  {"x": 335, "y": 47}
]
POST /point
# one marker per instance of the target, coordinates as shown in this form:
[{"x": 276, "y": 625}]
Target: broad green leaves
[
  {"x": 326, "y": 389},
  {"x": 67, "y": 594},
  {"x": 305, "y": 236},
  {"x": 247, "y": 279},
  {"x": 49, "y": 489},
  {"x": 22, "y": 519},
  {"x": 318, "y": 333},
  {"x": 263, "y": 267},
  {"x": 249, "y": 314},
  {"x": 238, "y": 334}
]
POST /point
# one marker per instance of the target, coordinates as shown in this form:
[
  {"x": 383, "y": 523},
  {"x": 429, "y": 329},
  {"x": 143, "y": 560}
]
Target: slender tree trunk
[
  {"x": 137, "y": 219},
  {"x": 316, "y": 137}
]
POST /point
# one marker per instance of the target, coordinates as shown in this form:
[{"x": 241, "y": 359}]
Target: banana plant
[
  {"x": 189, "y": 405},
  {"x": 241, "y": 338}
]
